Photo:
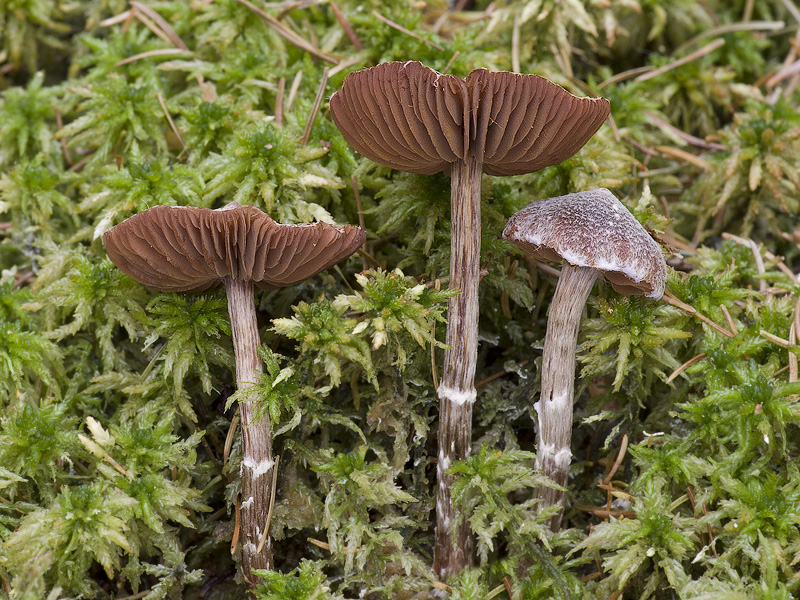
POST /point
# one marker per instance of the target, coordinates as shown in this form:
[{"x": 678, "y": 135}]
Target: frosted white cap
[{"x": 592, "y": 229}]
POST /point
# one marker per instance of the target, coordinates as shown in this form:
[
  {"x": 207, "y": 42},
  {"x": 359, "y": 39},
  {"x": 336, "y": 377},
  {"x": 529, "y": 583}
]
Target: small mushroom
[
  {"x": 594, "y": 235},
  {"x": 411, "y": 118},
  {"x": 189, "y": 249}
]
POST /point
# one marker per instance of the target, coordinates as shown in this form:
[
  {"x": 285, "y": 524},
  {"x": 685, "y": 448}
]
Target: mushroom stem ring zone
[
  {"x": 188, "y": 249},
  {"x": 411, "y": 118}
]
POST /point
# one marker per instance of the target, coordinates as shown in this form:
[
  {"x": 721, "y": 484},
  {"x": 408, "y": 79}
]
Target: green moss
[{"x": 119, "y": 449}]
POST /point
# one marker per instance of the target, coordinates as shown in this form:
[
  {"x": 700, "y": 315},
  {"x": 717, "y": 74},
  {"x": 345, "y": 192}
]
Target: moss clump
[{"x": 119, "y": 451}]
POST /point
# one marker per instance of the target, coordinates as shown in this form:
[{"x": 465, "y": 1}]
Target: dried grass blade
[
  {"x": 707, "y": 49},
  {"x": 149, "y": 54},
  {"x": 287, "y": 34},
  {"x": 315, "y": 107},
  {"x": 685, "y": 366},
  {"x": 348, "y": 29},
  {"x": 402, "y": 29},
  {"x": 161, "y": 22}
]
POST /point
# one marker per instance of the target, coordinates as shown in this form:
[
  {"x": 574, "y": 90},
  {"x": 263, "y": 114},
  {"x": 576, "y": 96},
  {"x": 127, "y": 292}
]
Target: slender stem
[
  {"x": 257, "y": 462},
  {"x": 558, "y": 381},
  {"x": 452, "y": 554}
]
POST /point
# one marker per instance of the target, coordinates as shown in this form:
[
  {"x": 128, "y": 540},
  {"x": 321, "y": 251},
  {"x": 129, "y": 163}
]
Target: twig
[
  {"x": 348, "y": 29},
  {"x": 319, "y": 544},
  {"x": 62, "y": 140},
  {"x": 359, "y": 208},
  {"x": 115, "y": 20},
  {"x": 229, "y": 438},
  {"x": 780, "y": 265},
  {"x": 153, "y": 27},
  {"x": 562, "y": 59},
  {"x": 265, "y": 533},
  {"x": 693, "y": 311},
  {"x": 495, "y": 592},
  {"x": 497, "y": 375},
  {"x": 161, "y": 22},
  {"x": 345, "y": 64},
  {"x": 792, "y": 355},
  {"x": 118, "y": 467},
  {"x": 515, "y": 64},
  {"x": 509, "y": 588},
  {"x": 624, "y": 75},
  {"x": 450, "y": 62},
  {"x": 293, "y": 91},
  {"x": 136, "y": 596},
  {"x": 237, "y": 527},
  {"x": 784, "y": 73},
  {"x": 620, "y": 457},
  {"x": 615, "y": 130},
  {"x": 728, "y": 319},
  {"x": 685, "y": 156},
  {"x": 756, "y": 251},
  {"x": 694, "y": 141},
  {"x": 685, "y": 366},
  {"x": 402, "y": 29},
  {"x": 605, "y": 513},
  {"x": 315, "y": 107},
  {"x": 287, "y": 34},
  {"x": 279, "y": 101},
  {"x": 745, "y": 25},
  {"x": 128, "y": 20},
  {"x": 545, "y": 268},
  {"x": 615, "y": 492},
  {"x": 792, "y": 8},
  {"x": 778, "y": 341},
  {"x": 747, "y": 14},
  {"x": 149, "y": 53},
  {"x": 701, "y": 52},
  {"x": 437, "y": 285},
  {"x": 433, "y": 357},
  {"x": 169, "y": 119},
  {"x": 210, "y": 451}
]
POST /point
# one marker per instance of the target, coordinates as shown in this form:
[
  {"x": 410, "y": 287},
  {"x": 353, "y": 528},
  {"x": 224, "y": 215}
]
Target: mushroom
[
  {"x": 411, "y": 118},
  {"x": 594, "y": 235},
  {"x": 189, "y": 249}
]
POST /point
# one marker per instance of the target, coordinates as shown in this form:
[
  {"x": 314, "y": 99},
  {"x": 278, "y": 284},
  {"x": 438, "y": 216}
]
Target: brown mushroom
[
  {"x": 409, "y": 117},
  {"x": 594, "y": 235},
  {"x": 188, "y": 249}
]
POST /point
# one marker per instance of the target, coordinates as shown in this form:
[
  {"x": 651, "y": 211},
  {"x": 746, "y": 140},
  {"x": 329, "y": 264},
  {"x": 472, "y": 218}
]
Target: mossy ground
[{"x": 119, "y": 452}]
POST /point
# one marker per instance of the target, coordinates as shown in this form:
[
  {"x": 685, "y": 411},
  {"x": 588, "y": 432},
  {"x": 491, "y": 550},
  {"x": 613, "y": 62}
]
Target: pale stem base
[
  {"x": 457, "y": 389},
  {"x": 257, "y": 461},
  {"x": 553, "y": 454}
]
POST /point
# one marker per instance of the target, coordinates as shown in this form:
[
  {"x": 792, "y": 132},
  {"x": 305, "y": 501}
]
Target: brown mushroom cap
[
  {"x": 190, "y": 249},
  {"x": 592, "y": 229},
  {"x": 409, "y": 117}
]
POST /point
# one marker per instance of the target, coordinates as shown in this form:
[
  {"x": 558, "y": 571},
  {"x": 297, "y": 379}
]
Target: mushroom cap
[
  {"x": 592, "y": 229},
  {"x": 190, "y": 249},
  {"x": 411, "y": 118}
]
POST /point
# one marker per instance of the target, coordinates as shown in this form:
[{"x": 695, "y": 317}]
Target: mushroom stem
[
  {"x": 457, "y": 389},
  {"x": 558, "y": 381},
  {"x": 257, "y": 462}
]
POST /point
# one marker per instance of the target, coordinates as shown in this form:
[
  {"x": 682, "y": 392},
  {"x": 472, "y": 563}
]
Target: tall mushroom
[
  {"x": 594, "y": 235},
  {"x": 189, "y": 249},
  {"x": 411, "y": 118}
]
